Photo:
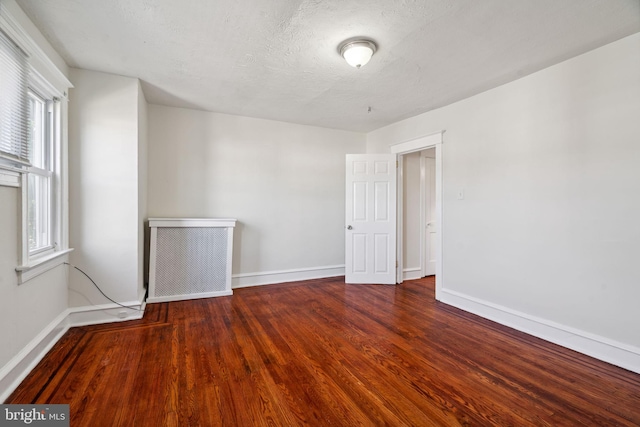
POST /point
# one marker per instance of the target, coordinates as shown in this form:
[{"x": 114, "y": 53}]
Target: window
[
  {"x": 42, "y": 245},
  {"x": 40, "y": 182},
  {"x": 32, "y": 147}
]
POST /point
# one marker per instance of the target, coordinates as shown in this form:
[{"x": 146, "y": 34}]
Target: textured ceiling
[{"x": 278, "y": 59}]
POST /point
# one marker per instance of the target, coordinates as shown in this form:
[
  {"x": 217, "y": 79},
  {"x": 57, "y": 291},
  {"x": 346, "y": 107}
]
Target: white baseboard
[
  {"x": 105, "y": 313},
  {"x": 189, "y": 296},
  {"x": 610, "y": 351},
  {"x": 15, "y": 371},
  {"x": 411, "y": 273},
  {"x": 270, "y": 277}
]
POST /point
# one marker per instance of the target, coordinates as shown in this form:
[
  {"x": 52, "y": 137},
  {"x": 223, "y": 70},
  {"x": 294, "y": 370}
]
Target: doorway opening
[
  {"x": 419, "y": 228},
  {"x": 427, "y": 147}
]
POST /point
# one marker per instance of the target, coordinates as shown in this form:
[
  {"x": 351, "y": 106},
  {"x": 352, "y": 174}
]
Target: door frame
[{"x": 400, "y": 149}]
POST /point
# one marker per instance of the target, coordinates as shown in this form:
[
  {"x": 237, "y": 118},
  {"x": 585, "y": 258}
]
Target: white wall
[
  {"x": 106, "y": 189},
  {"x": 283, "y": 182},
  {"x": 549, "y": 224}
]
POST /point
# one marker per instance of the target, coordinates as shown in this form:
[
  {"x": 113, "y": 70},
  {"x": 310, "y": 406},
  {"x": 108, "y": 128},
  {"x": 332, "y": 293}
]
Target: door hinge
[
  {"x": 396, "y": 164},
  {"x": 396, "y": 263}
]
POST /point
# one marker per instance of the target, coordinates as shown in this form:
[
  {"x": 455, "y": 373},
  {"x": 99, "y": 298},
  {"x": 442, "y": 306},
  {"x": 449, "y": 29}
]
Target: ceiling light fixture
[{"x": 357, "y": 52}]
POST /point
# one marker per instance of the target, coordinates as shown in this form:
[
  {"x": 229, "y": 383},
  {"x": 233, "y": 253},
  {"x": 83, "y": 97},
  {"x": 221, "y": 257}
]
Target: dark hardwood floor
[{"x": 324, "y": 353}]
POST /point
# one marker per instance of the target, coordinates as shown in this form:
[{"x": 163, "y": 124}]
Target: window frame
[{"x": 33, "y": 263}]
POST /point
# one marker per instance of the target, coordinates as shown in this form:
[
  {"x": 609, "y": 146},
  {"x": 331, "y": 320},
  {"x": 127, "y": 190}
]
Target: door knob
[{"x": 349, "y": 227}]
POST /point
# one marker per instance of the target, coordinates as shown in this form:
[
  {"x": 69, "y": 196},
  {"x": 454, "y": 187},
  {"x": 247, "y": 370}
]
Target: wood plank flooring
[{"x": 321, "y": 352}]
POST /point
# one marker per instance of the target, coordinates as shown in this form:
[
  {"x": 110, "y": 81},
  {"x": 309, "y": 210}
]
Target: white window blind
[{"x": 14, "y": 102}]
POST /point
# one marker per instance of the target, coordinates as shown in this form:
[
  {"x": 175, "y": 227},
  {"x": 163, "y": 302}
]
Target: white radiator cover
[{"x": 190, "y": 258}]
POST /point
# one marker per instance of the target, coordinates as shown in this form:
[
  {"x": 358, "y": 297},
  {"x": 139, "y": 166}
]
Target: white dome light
[{"x": 358, "y": 52}]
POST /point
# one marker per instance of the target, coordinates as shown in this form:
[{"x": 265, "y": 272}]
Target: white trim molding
[
  {"x": 9, "y": 178},
  {"x": 105, "y": 313},
  {"x": 184, "y": 297},
  {"x": 38, "y": 59},
  {"x": 610, "y": 351},
  {"x": 192, "y": 222},
  {"x": 412, "y": 273},
  {"x": 244, "y": 280},
  {"x": 16, "y": 370},
  {"x": 417, "y": 144},
  {"x": 42, "y": 265}
]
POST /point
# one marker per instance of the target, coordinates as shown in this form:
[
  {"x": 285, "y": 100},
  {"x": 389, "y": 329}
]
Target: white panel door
[
  {"x": 370, "y": 220},
  {"x": 431, "y": 229}
]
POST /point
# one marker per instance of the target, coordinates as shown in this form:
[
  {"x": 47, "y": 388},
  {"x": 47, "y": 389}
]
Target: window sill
[{"x": 41, "y": 265}]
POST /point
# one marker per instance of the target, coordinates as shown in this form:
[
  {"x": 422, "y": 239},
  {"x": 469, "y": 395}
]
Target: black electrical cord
[{"x": 98, "y": 288}]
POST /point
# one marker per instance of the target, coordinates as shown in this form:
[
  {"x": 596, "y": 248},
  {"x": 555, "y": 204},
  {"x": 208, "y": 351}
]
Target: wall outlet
[{"x": 122, "y": 314}]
